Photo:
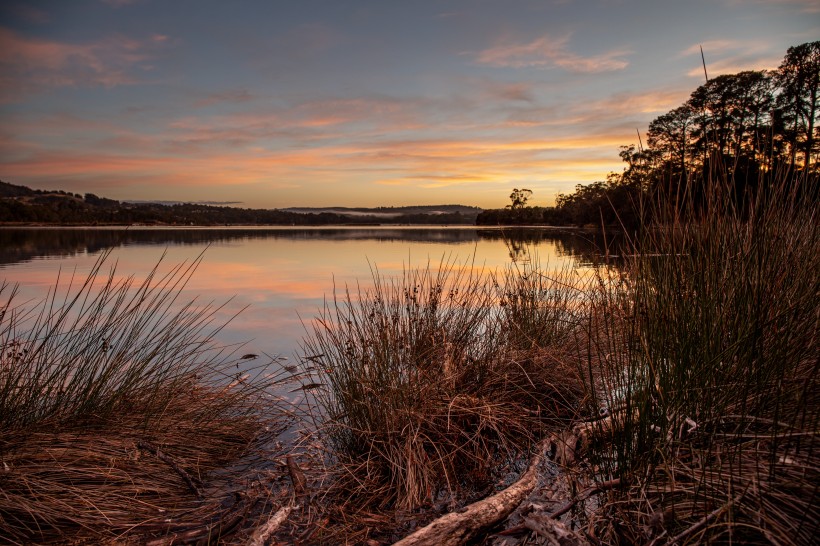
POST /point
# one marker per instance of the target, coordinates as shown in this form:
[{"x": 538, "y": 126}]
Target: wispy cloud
[
  {"x": 730, "y": 56},
  {"x": 515, "y": 92},
  {"x": 548, "y": 52},
  {"x": 30, "y": 64},
  {"x": 233, "y": 96}
]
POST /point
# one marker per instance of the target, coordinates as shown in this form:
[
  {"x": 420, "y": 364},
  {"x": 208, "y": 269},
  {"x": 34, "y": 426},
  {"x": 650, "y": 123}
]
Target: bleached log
[
  {"x": 264, "y": 532},
  {"x": 457, "y": 528}
]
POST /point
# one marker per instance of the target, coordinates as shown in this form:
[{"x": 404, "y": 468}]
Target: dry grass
[
  {"x": 121, "y": 420},
  {"x": 425, "y": 400}
]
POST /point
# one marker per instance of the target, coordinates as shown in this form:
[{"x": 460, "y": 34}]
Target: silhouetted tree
[
  {"x": 799, "y": 79},
  {"x": 519, "y": 198}
]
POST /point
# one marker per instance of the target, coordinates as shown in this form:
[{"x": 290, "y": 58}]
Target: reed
[
  {"x": 422, "y": 397},
  {"x": 706, "y": 354},
  {"x": 541, "y": 308},
  {"x": 120, "y": 415}
]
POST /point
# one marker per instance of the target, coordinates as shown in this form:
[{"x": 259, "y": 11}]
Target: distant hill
[
  {"x": 23, "y": 205},
  {"x": 390, "y": 212},
  {"x": 11, "y": 190}
]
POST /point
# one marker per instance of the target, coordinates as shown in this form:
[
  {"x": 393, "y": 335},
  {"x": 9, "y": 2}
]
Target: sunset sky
[{"x": 274, "y": 104}]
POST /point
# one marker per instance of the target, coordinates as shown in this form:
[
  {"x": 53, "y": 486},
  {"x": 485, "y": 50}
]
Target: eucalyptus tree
[
  {"x": 799, "y": 80},
  {"x": 670, "y": 135},
  {"x": 519, "y": 198},
  {"x": 751, "y": 106},
  {"x": 712, "y": 104}
]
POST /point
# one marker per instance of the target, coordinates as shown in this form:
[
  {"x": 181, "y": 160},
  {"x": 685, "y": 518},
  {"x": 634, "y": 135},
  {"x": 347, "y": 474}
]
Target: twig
[
  {"x": 585, "y": 494},
  {"x": 705, "y": 520},
  {"x": 170, "y": 462},
  {"x": 556, "y": 533}
]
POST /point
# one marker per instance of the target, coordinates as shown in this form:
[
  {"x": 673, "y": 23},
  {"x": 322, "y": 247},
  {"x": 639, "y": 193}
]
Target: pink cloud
[
  {"x": 29, "y": 64},
  {"x": 547, "y": 52},
  {"x": 233, "y": 96}
]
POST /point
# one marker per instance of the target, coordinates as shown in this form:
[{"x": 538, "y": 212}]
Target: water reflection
[
  {"x": 24, "y": 244},
  {"x": 282, "y": 275}
]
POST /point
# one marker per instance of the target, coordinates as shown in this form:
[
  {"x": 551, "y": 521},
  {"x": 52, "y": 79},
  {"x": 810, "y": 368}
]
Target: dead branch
[
  {"x": 297, "y": 476},
  {"x": 584, "y": 495},
  {"x": 705, "y": 520},
  {"x": 457, "y": 528},
  {"x": 264, "y": 532}
]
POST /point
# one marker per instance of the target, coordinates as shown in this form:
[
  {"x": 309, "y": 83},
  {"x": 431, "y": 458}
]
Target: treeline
[
  {"x": 19, "y": 204},
  {"x": 735, "y": 128}
]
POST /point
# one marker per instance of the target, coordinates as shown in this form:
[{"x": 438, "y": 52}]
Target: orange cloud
[{"x": 412, "y": 163}]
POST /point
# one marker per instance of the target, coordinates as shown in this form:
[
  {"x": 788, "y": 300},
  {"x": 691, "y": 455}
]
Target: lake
[{"x": 277, "y": 277}]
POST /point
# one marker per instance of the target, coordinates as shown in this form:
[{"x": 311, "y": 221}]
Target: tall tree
[
  {"x": 670, "y": 135},
  {"x": 712, "y": 104},
  {"x": 799, "y": 79},
  {"x": 751, "y": 107},
  {"x": 519, "y": 198}
]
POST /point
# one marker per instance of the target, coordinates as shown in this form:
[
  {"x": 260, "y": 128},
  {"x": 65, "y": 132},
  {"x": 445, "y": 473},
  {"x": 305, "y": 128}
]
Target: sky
[{"x": 281, "y": 103}]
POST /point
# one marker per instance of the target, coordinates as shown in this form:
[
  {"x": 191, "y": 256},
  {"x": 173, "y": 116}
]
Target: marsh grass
[
  {"x": 701, "y": 345},
  {"x": 707, "y": 351},
  {"x": 539, "y": 307},
  {"x": 422, "y": 396},
  {"x": 119, "y": 412}
]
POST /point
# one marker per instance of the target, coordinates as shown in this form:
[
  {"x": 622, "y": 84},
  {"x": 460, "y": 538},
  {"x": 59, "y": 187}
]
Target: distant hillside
[
  {"x": 390, "y": 212},
  {"x": 23, "y": 205},
  {"x": 11, "y": 190}
]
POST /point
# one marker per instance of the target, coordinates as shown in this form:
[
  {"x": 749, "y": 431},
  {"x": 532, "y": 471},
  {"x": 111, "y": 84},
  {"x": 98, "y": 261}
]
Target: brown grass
[
  {"x": 123, "y": 421},
  {"x": 422, "y": 399}
]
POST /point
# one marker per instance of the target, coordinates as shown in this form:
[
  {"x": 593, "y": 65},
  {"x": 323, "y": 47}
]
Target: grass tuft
[
  {"x": 424, "y": 397},
  {"x": 119, "y": 413}
]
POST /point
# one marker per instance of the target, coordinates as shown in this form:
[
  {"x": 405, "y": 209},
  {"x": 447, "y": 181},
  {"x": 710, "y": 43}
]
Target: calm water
[{"x": 282, "y": 275}]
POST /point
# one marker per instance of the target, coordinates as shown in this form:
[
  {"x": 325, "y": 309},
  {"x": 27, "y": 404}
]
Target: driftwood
[
  {"x": 297, "y": 477},
  {"x": 264, "y": 532},
  {"x": 457, "y": 528}
]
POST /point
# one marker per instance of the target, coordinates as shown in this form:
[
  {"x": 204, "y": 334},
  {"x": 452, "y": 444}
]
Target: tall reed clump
[
  {"x": 421, "y": 395},
  {"x": 708, "y": 346},
  {"x": 116, "y": 407},
  {"x": 540, "y": 308}
]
